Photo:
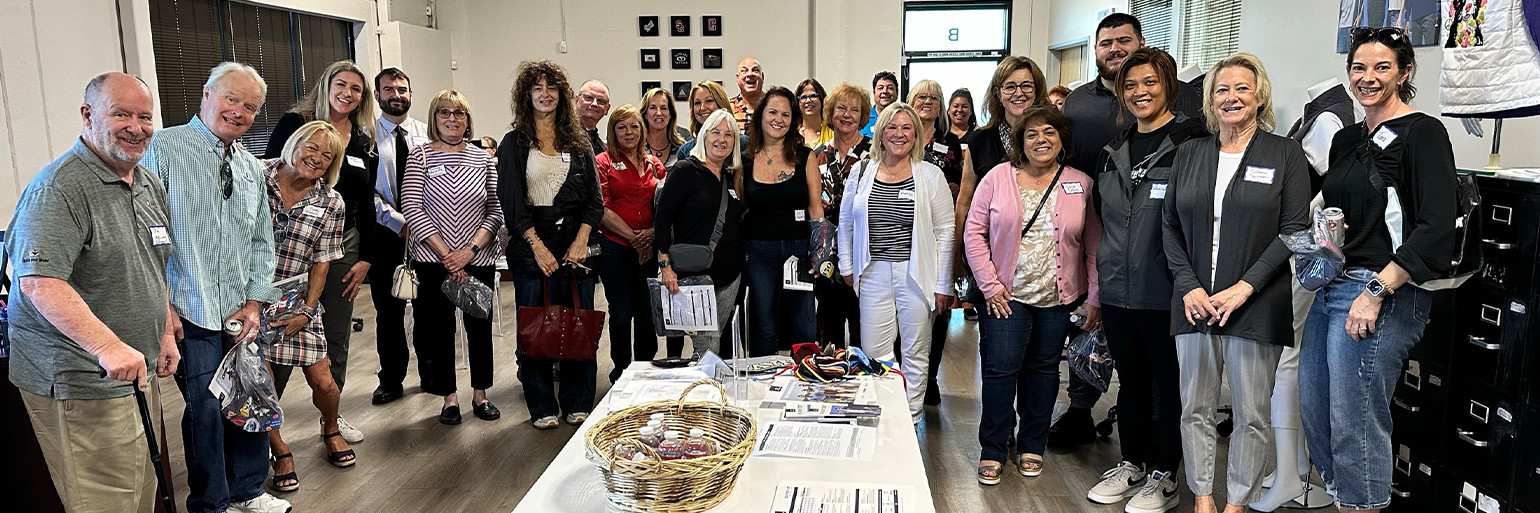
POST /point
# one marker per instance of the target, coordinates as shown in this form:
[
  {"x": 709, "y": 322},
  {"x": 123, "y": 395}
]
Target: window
[
  {"x": 1195, "y": 32},
  {"x": 956, "y": 43},
  {"x": 287, "y": 48}
]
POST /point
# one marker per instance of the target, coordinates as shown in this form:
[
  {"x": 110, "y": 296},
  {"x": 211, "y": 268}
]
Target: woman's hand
[
  {"x": 1093, "y": 317},
  {"x": 291, "y": 325},
  {"x": 1228, "y": 300},
  {"x": 577, "y": 252},
  {"x": 544, "y": 259},
  {"x": 670, "y": 279},
  {"x": 1197, "y": 306},
  {"x": 354, "y": 279},
  {"x": 459, "y": 277},
  {"x": 943, "y": 302},
  {"x": 455, "y": 261},
  {"x": 643, "y": 254},
  {"x": 999, "y": 305},
  {"x": 642, "y": 239},
  {"x": 1363, "y": 316}
]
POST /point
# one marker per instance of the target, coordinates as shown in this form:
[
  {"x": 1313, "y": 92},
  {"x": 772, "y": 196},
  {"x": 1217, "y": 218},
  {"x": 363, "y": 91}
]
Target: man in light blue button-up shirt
[{"x": 221, "y": 270}]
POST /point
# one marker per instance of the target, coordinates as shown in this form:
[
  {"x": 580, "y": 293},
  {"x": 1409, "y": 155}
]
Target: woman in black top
[
  {"x": 344, "y": 100},
  {"x": 688, "y": 204},
  {"x": 551, "y": 204},
  {"x": 845, "y": 111},
  {"x": 961, "y": 120},
  {"x": 1363, "y": 324},
  {"x": 945, "y": 151}
]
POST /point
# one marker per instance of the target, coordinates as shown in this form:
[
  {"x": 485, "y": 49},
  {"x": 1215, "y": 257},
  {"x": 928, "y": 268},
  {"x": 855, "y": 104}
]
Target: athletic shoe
[
  {"x": 1158, "y": 495},
  {"x": 1118, "y": 483},
  {"x": 576, "y": 418},
  {"x": 349, "y": 433},
  {"x": 264, "y": 503}
]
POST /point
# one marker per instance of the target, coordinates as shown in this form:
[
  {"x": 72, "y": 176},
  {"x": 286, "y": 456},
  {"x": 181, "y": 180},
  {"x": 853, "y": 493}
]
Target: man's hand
[
  {"x": 170, "y": 357},
  {"x": 354, "y": 279},
  {"x": 124, "y": 363},
  {"x": 249, "y": 315}
]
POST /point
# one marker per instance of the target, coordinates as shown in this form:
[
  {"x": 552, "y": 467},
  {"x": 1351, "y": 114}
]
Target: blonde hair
[
  {"x": 298, "y": 139},
  {"x": 716, "y": 118},
  {"x": 1263, "y": 95},
  {"x": 674, "y": 139},
  {"x": 448, "y": 98},
  {"x": 314, "y": 106},
  {"x": 717, "y": 93},
  {"x": 847, "y": 90},
  {"x": 916, "y": 150},
  {"x": 618, "y": 115},
  {"x": 942, "y": 120}
]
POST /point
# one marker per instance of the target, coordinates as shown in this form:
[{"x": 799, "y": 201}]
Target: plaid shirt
[
  {"x": 224, "y": 247},
  {"x": 307, "y": 233},
  {"x": 742, "y": 111}
]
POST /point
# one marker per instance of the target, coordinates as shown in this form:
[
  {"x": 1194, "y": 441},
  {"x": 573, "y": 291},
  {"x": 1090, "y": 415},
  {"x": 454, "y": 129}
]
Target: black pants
[
  {"x": 1149, "y": 400},
  {"x": 837, "y": 308},
  {"x": 389, "y": 312},
  {"x": 433, "y": 332},
  {"x": 938, "y": 331},
  {"x": 625, "y": 288}
]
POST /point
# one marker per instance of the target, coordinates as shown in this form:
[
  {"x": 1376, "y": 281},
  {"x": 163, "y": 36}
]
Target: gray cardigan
[{"x": 1269, "y": 196}]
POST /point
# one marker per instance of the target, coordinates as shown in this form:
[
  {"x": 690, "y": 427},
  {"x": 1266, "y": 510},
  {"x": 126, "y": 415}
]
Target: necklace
[{"x": 655, "y": 151}]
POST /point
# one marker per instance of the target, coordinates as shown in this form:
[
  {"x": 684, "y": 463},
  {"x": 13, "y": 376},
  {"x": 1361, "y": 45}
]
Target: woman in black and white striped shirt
[{"x": 449, "y": 198}]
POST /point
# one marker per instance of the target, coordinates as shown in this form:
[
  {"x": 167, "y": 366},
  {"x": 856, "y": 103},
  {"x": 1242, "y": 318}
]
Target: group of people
[{"x": 1035, "y": 208}]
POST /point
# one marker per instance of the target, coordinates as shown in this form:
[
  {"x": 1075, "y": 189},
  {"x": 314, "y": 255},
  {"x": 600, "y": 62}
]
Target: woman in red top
[{"x": 628, "y": 178}]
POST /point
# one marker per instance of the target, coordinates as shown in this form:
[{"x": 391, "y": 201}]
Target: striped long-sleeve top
[{"x": 451, "y": 194}]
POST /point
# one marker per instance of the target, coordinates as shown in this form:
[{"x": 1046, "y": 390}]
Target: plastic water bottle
[
  {"x": 656, "y": 420},
  {"x": 624, "y": 451},
  {"x": 672, "y": 447},
  {"x": 698, "y": 446},
  {"x": 651, "y": 436}
]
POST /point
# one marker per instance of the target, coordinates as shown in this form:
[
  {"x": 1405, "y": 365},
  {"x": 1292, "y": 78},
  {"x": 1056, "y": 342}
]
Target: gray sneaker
[
  {"x": 264, "y": 503},
  {"x": 1160, "y": 493},
  {"x": 1118, "y": 483}
]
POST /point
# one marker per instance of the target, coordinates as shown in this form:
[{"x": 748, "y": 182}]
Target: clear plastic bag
[
  {"x": 1318, "y": 256},
  {"x": 245, "y": 390},
  {"x": 824, "y": 260},
  {"x": 291, "y": 302},
  {"x": 473, "y": 297},
  {"x": 1090, "y": 359},
  {"x": 655, "y": 291}
]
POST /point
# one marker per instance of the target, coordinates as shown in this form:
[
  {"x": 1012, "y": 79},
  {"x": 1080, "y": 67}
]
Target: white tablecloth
[{"x": 571, "y": 484}]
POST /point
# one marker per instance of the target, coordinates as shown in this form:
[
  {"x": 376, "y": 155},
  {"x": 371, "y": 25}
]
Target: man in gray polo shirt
[{"x": 90, "y": 246}]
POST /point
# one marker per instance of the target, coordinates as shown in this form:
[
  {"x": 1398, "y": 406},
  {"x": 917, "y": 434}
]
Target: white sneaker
[
  {"x": 262, "y": 504},
  {"x": 1158, "y": 495},
  {"x": 545, "y": 422},
  {"x": 577, "y": 418},
  {"x": 1118, "y": 483},
  {"x": 349, "y": 433}
]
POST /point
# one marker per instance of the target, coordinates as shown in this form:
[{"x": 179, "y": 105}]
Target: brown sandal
[
  {"x": 989, "y": 474},
  {"x": 1030, "y": 467}
]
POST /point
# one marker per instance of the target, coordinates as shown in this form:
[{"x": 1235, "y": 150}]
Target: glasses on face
[
  {"x": 926, "y": 98},
  {"x": 1011, "y": 88},
  {"x": 1361, "y": 34},
  {"x": 457, "y": 114},
  {"x": 226, "y": 177},
  {"x": 397, "y": 91},
  {"x": 809, "y": 97},
  {"x": 588, "y": 98}
]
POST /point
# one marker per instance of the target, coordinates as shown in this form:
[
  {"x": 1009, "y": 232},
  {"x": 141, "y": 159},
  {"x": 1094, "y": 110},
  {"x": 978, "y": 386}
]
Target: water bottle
[
  {"x": 656, "y": 420},
  {"x": 651, "y": 436},
  {"x": 1077, "y": 318},
  {"x": 672, "y": 447},
  {"x": 698, "y": 446}
]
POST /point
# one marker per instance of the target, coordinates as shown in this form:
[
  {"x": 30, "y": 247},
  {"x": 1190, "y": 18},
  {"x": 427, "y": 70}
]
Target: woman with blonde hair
[
  {"x": 705, "y": 98},
  {"x": 664, "y": 135}
]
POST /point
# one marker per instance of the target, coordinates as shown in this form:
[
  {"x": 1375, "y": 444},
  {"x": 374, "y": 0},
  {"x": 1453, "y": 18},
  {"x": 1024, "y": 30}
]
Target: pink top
[{"x": 992, "y": 235}]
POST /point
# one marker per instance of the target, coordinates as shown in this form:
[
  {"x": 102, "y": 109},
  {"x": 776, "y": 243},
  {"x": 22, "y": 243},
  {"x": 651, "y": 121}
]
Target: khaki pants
[{"x": 96, "y": 452}]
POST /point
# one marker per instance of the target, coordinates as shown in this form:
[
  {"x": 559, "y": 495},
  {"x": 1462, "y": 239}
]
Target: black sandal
[
  {"x": 278, "y": 478},
  {"x": 336, "y": 458}
]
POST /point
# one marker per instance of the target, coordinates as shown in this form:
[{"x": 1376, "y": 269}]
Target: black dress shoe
[
  {"x": 384, "y": 395},
  {"x": 1074, "y": 428},
  {"x": 487, "y": 411},
  {"x": 450, "y": 416}
]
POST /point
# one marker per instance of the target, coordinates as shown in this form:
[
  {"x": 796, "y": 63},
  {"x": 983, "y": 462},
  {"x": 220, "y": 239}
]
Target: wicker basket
[{"x": 678, "y": 486}]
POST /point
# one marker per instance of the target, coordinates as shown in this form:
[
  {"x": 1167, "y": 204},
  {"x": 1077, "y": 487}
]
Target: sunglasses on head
[{"x": 1361, "y": 34}]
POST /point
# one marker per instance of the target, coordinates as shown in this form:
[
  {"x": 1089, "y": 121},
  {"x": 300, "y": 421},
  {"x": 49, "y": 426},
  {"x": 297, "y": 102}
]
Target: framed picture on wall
[
  {"x": 711, "y": 25},
  {"x": 682, "y": 90},
  {"x": 679, "y": 26},
  {"x": 652, "y": 58},
  {"x": 648, "y": 85},
  {"x": 647, "y": 26},
  {"x": 680, "y": 57},
  {"x": 711, "y": 58}
]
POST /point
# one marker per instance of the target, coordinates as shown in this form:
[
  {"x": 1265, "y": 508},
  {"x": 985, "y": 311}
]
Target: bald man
[
  {"x": 751, "y": 87},
  {"x": 90, "y": 241}
]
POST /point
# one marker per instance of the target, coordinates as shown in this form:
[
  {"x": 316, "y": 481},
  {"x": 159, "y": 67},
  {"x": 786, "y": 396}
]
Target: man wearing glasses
[
  {"x": 593, "y": 103},
  {"x": 398, "y": 135},
  {"x": 221, "y": 271}
]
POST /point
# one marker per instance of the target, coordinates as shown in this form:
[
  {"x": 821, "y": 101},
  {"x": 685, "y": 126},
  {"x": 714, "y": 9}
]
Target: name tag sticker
[
  {"x": 732, "y": 192},
  {"x": 1074, "y": 188},
  {"x": 940, "y": 148},
  {"x": 314, "y": 211},
  {"x": 437, "y": 171},
  {"x": 159, "y": 236},
  {"x": 355, "y": 161},
  {"x": 1384, "y": 136},
  {"x": 620, "y": 166},
  {"x": 799, "y": 214},
  {"x": 906, "y": 195},
  {"x": 417, "y": 141},
  {"x": 1158, "y": 190},
  {"x": 1259, "y": 174},
  {"x": 964, "y": 147},
  {"x": 566, "y": 158}
]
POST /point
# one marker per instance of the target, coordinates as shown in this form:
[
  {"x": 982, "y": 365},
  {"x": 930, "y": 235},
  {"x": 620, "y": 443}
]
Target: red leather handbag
[{"x": 550, "y": 332}]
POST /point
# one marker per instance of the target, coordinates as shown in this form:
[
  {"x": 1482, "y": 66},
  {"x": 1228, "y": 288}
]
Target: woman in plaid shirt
[{"x": 307, "y": 229}]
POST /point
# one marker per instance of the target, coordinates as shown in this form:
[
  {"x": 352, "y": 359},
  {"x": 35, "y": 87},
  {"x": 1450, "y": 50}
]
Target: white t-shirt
[{"x": 1229, "y": 164}]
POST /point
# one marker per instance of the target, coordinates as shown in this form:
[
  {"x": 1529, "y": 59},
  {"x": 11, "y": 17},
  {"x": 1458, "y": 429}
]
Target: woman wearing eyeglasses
[
  {"x": 810, "y": 96},
  {"x": 1363, "y": 324},
  {"x": 945, "y": 151}
]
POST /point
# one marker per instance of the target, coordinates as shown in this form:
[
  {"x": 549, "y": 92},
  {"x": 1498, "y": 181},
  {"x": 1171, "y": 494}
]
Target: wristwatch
[
  {"x": 663, "y": 264},
  {"x": 475, "y": 249},
  {"x": 1377, "y": 288}
]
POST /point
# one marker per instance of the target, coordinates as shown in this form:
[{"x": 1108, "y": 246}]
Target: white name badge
[
  {"x": 964, "y": 146},
  {"x": 314, "y": 211},
  {"x": 1384, "y": 136},
  {"x": 437, "y": 171},
  {"x": 940, "y": 148},
  {"x": 906, "y": 195},
  {"x": 732, "y": 192},
  {"x": 620, "y": 166},
  {"x": 566, "y": 158},
  {"x": 1259, "y": 174},
  {"x": 355, "y": 161},
  {"x": 1074, "y": 188},
  {"x": 416, "y": 141},
  {"x": 1158, "y": 190},
  {"x": 799, "y": 214},
  {"x": 159, "y": 236}
]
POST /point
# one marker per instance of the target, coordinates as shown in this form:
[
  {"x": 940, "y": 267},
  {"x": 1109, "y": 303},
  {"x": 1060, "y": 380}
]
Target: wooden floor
[{"x": 411, "y": 463}]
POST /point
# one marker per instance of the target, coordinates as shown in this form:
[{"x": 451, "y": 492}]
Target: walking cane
[{"x": 149, "y": 437}]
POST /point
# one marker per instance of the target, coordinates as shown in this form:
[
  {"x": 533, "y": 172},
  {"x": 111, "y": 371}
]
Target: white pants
[{"x": 893, "y": 308}]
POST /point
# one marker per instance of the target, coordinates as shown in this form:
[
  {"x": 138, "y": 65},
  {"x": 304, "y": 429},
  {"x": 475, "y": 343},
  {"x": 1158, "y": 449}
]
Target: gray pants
[
  {"x": 336, "y": 320},
  {"x": 727, "y": 298},
  {"x": 1252, "y": 366}
]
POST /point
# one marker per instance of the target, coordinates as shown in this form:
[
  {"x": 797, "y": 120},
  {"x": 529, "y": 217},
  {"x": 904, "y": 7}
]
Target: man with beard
[
  {"x": 593, "y": 103},
  {"x": 751, "y": 87},
  {"x": 90, "y": 241},
  {"x": 398, "y": 135},
  {"x": 884, "y": 93}
]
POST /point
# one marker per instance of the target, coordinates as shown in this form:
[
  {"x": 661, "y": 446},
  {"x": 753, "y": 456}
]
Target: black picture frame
[
  {"x": 682, "y": 90},
  {"x": 648, "y": 85},
  {"x": 651, "y": 58},
  {"x": 711, "y": 58},
  {"x": 647, "y": 26},
  {"x": 711, "y": 25},
  {"x": 679, "y": 26},
  {"x": 679, "y": 58}
]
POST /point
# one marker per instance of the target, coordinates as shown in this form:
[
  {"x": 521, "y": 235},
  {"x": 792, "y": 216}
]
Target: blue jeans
[
  {"x": 1020, "y": 356},
  {"x": 625, "y": 288},
  {"x": 224, "y": 463},
  {"x": 1345, "y": 386},
  {"x": 577, "y": 378},
  {"x": 774, "y": 312}
]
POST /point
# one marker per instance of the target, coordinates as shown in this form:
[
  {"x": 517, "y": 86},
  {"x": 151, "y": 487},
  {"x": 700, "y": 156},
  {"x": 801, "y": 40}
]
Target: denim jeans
[
  {"x": 577, "y": 378},
  {"x": 224, "y": 463},
  {"x": 1020, "y": 356},
  {"x": 776, "y": 314},
  {"x": 1345, "y": 386}
]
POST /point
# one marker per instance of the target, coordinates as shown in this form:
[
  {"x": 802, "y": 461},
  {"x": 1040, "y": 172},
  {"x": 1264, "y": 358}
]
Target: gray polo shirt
[{"x": 80, "y": 222}]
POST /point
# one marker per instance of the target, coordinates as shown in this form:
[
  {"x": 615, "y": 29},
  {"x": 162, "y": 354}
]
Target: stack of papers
[
  {"x": 817, "y": 441},
  {"x": 833, "y": 413},
  {"x": 824, "y": 497}
]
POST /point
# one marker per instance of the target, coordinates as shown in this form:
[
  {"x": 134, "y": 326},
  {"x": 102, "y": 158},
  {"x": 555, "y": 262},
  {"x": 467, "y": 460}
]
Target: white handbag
[{"x": 403, "y": 283}]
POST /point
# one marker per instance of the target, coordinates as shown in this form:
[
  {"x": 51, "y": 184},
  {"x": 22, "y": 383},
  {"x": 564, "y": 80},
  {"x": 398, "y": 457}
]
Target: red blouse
[{"x": 628, "y": 192}]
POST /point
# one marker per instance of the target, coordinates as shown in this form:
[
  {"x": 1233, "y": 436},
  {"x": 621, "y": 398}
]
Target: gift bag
[
  {"x": 472, "y": 296},
  {"x": 1090, "y": 359},
  {"x": 1318, "y": 256},
  {"x": 245, "y": 390}
]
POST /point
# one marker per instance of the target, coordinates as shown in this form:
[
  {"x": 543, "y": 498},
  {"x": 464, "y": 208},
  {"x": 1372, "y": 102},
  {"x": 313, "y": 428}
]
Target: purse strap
[
  {"x": 1046, "y": 192},
  {"x": 546, "y": 285},
  {"x": 716, "y": 232}
]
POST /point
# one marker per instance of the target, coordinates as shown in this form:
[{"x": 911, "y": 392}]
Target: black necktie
[{"x": 401, "y": 151}]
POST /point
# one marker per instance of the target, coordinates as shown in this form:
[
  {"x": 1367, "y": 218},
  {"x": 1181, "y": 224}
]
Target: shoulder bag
[
  {"x": 697, "y": 258},
  {"x": 550, "y": 332}
]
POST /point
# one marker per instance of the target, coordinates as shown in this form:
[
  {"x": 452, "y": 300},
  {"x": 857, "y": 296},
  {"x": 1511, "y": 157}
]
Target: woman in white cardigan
[{"x": 895, "y": 240}]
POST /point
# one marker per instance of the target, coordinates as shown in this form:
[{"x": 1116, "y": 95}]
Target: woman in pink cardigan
[{"x": 1031, "y": 240}]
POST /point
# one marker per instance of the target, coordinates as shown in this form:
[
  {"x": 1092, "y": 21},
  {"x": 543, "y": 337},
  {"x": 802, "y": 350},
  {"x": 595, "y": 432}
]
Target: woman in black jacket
[
  {"x": 1233, "y": 194},
  {"x": 1131, "y": 186},
  {"x": 551, "y": 203}
]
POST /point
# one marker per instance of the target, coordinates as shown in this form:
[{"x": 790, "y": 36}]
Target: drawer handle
[
  {"x": 1466, "y": 436},
  {"x": 1405, "y": 406},
  {"x": 1497, "y": 245},
  {"x": 1492, "y": 315},
  {"x": 1502, "y": 214},
  {"x": 1398, "y": 493},
  {"x": 1481, "y": 342}
]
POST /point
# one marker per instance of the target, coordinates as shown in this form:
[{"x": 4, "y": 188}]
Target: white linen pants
[{"x": 895, "y": 325}]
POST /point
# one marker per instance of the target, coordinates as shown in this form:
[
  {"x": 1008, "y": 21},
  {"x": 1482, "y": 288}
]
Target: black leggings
[{"x": 1149, "y": 400}]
